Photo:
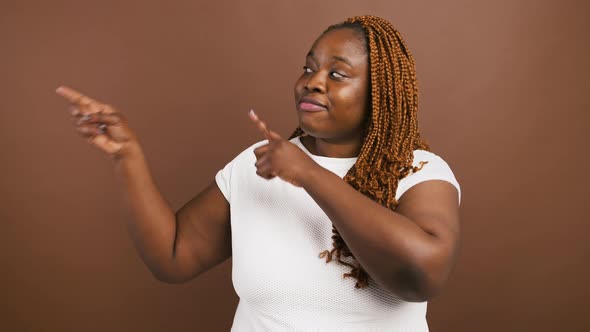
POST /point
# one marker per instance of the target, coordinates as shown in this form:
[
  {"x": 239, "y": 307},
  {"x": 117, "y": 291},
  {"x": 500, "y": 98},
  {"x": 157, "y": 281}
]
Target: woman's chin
[{"x": 307, "y": 130}]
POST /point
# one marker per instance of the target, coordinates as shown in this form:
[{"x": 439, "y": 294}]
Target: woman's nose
[{"x": 316, "y": 83}]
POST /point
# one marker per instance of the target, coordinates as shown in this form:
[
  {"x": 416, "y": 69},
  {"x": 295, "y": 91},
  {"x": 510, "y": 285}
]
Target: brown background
[{"x": 503, "y": 88}]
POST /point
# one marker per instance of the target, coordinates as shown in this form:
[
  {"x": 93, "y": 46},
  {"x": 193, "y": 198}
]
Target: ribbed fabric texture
[{"x": 278, "y": 231}]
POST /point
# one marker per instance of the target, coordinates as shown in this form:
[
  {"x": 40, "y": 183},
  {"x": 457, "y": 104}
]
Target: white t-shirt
[{"x": 278, "y": 231}]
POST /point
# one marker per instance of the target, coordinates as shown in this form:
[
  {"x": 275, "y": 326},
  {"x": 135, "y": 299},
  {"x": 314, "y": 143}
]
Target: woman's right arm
[{"x": 176, "y": 247}]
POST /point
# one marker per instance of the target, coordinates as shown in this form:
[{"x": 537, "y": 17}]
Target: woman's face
[{"x": 332, "y": 93}]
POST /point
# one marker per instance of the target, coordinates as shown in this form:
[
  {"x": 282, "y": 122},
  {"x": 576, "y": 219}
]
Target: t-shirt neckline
[{"x": 326, "y": 161}]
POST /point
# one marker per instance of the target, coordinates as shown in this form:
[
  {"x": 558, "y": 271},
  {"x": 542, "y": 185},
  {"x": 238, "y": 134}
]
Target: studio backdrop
[{"x": 503, "y": 99}]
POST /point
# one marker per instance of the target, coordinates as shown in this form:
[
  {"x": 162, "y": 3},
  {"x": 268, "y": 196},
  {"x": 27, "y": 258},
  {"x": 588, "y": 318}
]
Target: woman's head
[
  {"x": 386, "y": 123},
  {"x": 332, "y": 93}
]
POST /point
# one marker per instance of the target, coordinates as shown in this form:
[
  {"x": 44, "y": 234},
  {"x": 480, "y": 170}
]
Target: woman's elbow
[
  {"x": 416, "y": 285},
  {"x": 171, "y": 276}
]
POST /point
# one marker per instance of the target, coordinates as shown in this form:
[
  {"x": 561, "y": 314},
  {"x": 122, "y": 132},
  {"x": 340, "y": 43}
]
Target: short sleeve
[
  {"x": 223, "y": 179},
  {"x": 229, "y": 176},
  {"x": 435, "y": 169}
]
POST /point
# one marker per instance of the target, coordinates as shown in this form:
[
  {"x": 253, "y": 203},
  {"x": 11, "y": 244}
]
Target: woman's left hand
[{"x": 280, "y": 157}]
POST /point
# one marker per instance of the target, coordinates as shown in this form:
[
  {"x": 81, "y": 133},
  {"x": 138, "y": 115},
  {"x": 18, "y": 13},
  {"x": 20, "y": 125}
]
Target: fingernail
[
  {"x": 85, "y": 117},
  {"x": 252, "y": 112}
]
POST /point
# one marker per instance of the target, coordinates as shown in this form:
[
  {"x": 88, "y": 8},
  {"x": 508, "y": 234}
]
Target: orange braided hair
[{"x": 391, "y": 134}]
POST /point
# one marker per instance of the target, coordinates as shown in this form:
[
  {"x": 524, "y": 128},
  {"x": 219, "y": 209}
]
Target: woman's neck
[{"x": 332, "y": 148}]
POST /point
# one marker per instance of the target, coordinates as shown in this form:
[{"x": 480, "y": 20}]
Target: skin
[
  {"x": 176, "y": 247},
  {"x": 409, "y": 251},
  {"x": 337, "y": 75}
]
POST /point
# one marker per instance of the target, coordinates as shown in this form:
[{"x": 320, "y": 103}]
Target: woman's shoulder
[
  {"x": 248, "y": 152},
  {"x": 428, "y": 157},
  {"x": 425, "y": 154},
  {"x": 431, "y": 166}
]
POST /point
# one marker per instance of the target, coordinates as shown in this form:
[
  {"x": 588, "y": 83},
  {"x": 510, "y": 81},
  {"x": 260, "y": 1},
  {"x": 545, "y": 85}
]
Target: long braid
[{"x": 391, "y": 133}]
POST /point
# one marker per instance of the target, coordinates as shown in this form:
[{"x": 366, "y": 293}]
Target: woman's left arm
[{"x": 409, "y": 251}]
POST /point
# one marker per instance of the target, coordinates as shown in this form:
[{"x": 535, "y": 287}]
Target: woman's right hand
[{"x": 103, "y": 126}]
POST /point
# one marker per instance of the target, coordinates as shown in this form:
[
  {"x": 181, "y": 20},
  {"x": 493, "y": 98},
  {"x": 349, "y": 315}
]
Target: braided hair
[{"x": 391, "y": 132}]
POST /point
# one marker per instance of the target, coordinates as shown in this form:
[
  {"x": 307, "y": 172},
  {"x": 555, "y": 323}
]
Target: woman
[{"x": 355, "y": 183}]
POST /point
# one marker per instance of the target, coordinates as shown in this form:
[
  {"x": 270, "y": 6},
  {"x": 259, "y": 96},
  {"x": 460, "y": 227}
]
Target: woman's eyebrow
[
  {"x": 342, "y": 59},
  {"x": 335, "y": 57}
]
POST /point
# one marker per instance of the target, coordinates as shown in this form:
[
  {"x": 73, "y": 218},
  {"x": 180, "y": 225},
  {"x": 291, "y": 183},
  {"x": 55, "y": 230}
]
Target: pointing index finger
[
  {"x": 261, "y": 125},
  {"x": 72, "y": 95},
  {"x": 269, "y": 134}
]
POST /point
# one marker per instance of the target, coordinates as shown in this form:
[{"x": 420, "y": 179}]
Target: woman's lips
[{"x": 309, "y": 107}]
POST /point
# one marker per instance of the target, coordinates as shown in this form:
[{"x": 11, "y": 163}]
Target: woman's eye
[{"x": 336, "y": 75}]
